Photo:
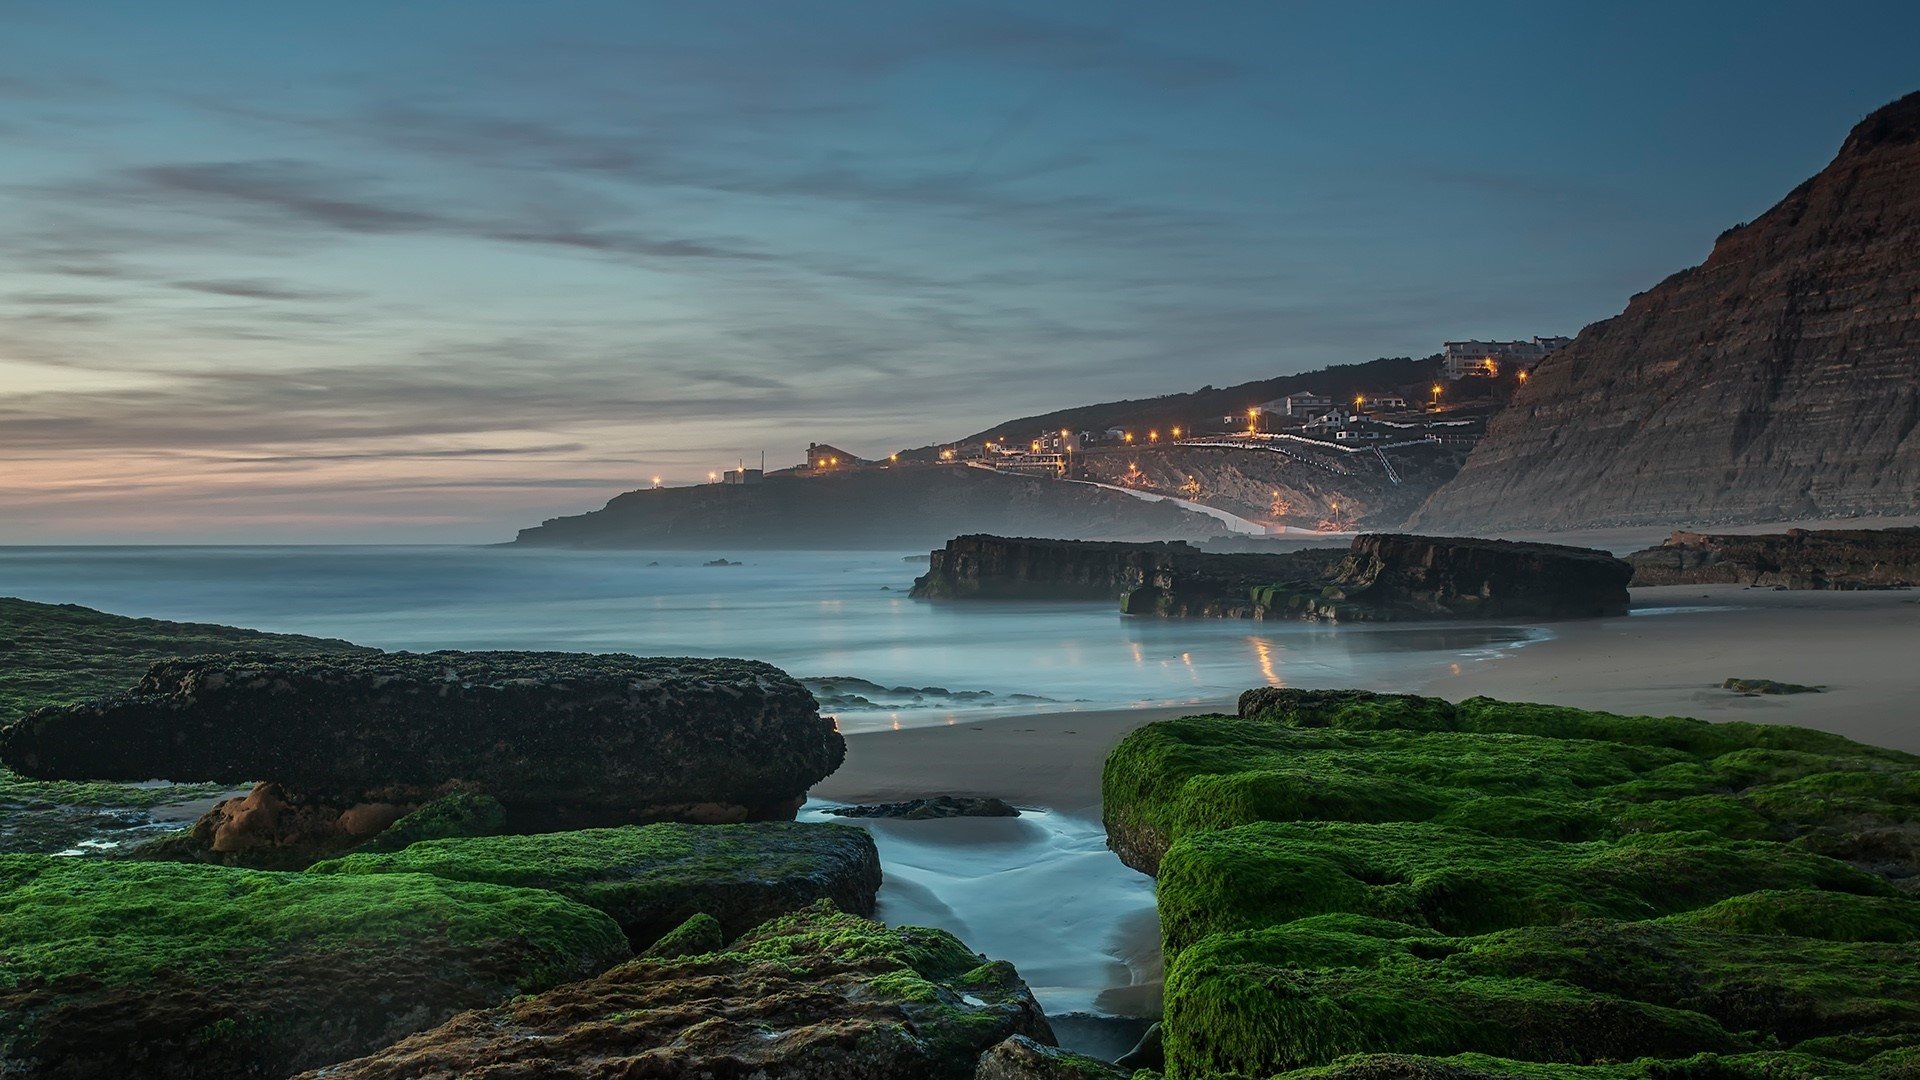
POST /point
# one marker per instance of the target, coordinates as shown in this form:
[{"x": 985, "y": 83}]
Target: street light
[
  {"x": 1176, "y": 433},
  {"x": 712, "y": 476},
  {"x": 1153, "y": 436},
  {"x": 656, "y": 481},
  {"x": 1128, "y": 437}
]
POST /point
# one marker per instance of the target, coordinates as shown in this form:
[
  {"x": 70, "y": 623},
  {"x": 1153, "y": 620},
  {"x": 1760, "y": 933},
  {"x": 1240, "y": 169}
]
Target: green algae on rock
[
  {"x": 1362, "y": 885},
  {"x": 816, "y": 994},
  {"x": 192, "y": 971},
  {"x": 1510, "y": 769},
  {"x": 652, "y": 878}
]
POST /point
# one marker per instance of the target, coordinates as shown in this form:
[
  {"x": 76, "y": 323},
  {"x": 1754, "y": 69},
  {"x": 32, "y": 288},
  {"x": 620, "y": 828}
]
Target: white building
[
  {"x": 1488, "y": 359},
  {"x": 1299, "y": 403}
]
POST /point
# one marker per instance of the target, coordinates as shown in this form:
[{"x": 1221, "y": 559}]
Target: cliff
[
  {"x": 1795, "y": 559},
  {"x": 906, "y": 507},
  {"x": 1381, "y": 577},
  {"x": 1780, "y": 379}
]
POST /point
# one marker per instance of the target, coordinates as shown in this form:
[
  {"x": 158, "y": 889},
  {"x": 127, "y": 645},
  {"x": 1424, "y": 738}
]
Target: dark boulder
[
  {"x": 562, "y": 740},
  {"x": 811, "y": 996}
]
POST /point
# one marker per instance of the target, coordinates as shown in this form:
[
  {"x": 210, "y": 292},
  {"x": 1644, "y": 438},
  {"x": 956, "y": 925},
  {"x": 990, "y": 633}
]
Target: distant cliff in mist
[
  {"x": 1780, "y": 379},
  {"x": 908, "y": 508}
]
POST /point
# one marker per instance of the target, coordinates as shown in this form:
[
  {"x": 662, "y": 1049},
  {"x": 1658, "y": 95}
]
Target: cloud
[{"x": 254, "y": 289}]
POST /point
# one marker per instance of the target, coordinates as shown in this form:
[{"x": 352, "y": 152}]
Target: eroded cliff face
[{"x": 1778, "y": 380}]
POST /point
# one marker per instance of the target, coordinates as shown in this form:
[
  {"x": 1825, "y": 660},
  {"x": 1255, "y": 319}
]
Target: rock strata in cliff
[
  {"x": 350, "y": 743},
  {"x": 1779, "y": 380},
  {"x": 1795, "y": 559},
  {"x": 1378, "y": 577}
]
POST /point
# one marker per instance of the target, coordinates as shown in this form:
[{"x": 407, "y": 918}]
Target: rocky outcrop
[
  {"x": 1455, "y": 577},
  {"x": 1774, "y": 382},
  {"x": 186, "y": 972},
  {"x": 652, "y": 878},
  {"x": 1795, "y": 559},
  {"x": 350, "y": 743},
  {"x": 811, "y": 996},
  {"x": 1378, "y": 577},
  {"x": 1021, "y": 1058},
  {"x": 1000, "y": 567}
]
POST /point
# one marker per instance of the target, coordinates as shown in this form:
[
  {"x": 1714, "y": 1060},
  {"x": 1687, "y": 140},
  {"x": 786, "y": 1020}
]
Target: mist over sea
[{"x": 815, "y": 614}]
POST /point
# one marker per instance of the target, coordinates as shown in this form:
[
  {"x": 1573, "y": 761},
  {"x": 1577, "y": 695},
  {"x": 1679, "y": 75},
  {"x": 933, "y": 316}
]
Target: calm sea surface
[{"x": 816, "y": 614}]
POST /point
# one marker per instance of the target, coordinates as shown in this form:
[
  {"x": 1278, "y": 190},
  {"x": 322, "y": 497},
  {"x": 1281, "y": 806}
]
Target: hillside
[
  {"x": 1780, "y": 379},
  {"x": 1207, "y": 405},
  {"x": 906, "y": 508}
]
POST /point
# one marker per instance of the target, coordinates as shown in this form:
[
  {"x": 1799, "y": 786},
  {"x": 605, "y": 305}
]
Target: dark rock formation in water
[
  {"x": 352, "y": 742},
  {"x": 1778, "y": 380},
  {"x": 1454, "y": 577},
  {"x": 1378, "y": 577},
  {"x": 1795, "y": 559},
  {"x": 938, "y": 806},
  {"x": 652, "y": 878},
  {"x": 811, "y": 996},
  {"x": 989, "y": 567}
]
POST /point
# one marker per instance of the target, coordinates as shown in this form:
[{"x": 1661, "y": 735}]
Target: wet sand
[
  {"x": 1051, "y": 760},
  {"x": 1669, "y": 658}
]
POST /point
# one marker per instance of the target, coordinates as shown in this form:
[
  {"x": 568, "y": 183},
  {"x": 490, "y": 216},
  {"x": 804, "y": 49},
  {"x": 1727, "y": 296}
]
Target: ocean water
[{"x": 815, "y": 614}]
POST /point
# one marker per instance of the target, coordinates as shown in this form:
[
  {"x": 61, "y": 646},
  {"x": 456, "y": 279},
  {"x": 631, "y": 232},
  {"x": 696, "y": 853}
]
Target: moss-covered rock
[
  {"x": 178, "y": 971},
  {"x": 1462, "y": 882},
  {"x": 816, "y": 994},
  {"x": 698, "y": 935},
  {"x": 1374, "y": 885},
  {"x": 1021, "y": 1058},
  {"x": 1765, "y": 1065},
  {"x": 456, "y": 814},
  {"x": 652, "y": 878}
]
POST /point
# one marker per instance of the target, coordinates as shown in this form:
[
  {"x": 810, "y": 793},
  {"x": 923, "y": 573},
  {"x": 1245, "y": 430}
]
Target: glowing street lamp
[
  {"x": 1128, "y": 437},
  {"x": 656, "y": 481},
  {"x": 1176, "y": 433},
  {"x": 1153, "y": 436},
  {"x": 1523, "y": 376},
  {"x": 712, "y": 476}
]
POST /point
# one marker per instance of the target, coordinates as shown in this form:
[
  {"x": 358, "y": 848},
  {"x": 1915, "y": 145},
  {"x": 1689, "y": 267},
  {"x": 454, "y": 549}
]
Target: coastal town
[{"x": 1380, "y": 432}]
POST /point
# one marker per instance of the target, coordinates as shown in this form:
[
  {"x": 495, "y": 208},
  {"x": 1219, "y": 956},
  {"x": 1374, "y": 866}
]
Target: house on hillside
[
  {"x": 824, "y": 458},
  {"x": 1299, "y": 403}
]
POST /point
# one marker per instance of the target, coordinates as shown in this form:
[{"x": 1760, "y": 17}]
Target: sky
[{"x": 435, "y": 271}]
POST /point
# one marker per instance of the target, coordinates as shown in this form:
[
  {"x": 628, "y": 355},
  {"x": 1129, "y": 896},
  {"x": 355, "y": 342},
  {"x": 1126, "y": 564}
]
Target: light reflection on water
[{"x": 812, "y": 613}]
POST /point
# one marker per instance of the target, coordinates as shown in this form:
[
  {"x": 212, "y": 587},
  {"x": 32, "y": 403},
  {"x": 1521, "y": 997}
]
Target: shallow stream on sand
[{"x": 1042, "y": 892}]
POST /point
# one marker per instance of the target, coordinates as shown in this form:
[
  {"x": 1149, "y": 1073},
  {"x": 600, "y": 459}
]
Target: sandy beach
[{"x": 1668, "y": 659}]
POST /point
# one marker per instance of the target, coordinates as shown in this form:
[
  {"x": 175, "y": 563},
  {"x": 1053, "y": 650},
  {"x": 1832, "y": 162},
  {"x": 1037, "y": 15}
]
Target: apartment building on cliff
[{"x": 1488, "y": 359}]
